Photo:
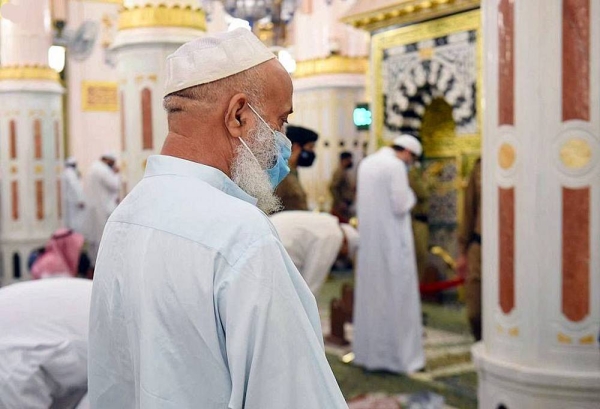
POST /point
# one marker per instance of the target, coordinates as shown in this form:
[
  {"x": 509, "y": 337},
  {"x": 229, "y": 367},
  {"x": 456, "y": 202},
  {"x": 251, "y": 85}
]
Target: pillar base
[{"x": 514, "y": 386}]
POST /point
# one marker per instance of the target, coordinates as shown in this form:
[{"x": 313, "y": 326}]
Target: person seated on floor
[
  {"x": 43, "y": 343},
  {"x": 314, "y": 242},
  {"x": 62, "y": 256}
]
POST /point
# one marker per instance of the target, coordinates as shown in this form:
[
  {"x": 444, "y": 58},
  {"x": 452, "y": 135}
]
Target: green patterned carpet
[{"x": 449, "y": 371}]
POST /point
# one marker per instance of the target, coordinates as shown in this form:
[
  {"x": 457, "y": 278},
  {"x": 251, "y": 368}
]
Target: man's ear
[{"x": 236, "y": 117}]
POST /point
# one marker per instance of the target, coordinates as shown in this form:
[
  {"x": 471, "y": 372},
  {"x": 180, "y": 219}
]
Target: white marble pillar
[
  {"x": 329, "y": 81},
  {"x": 541, "y": 206},
  {"x": 148, "y": 31},
  {"x": 31, "y": 129},
  {"x": 325, "y": 103}
]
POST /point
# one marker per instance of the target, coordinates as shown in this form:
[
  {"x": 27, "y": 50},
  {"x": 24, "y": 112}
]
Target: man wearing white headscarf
[
  {"x": 387, "y": 310},
  {"x": 73, "y": 198},
  {"x": 103, "y": 184},
  {"x": 196, "y": 303},
  {"x": 314, "y": 241}
]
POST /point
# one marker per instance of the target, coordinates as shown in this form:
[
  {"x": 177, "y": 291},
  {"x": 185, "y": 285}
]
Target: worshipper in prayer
[
  {"x": 469, "y": 261},
  {"x": 103, "y": 183},
  {"x": 196, "y": 303},
  {"x": 73, "y": 198},
  {"x": 387, "y": 311},
  {"x": 314, "y": 241},
  {"x": 61, "y": 257},
  {"x": 290, "y": 191},
  {"x": 43, "y": 343},
  {"x": 342, "y": 189}
]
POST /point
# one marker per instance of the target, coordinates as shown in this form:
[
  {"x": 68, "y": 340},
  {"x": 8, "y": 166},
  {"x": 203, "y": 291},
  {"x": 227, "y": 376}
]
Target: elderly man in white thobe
[
  {"x": 73, "y": 198},
  {"x": 196, "y": 303},
  {"x": 43, "y": 343},
  {"x": 387, "y": 308},
  {"x": 314, "y": 241},
  {"x": 103, "y": 184}
]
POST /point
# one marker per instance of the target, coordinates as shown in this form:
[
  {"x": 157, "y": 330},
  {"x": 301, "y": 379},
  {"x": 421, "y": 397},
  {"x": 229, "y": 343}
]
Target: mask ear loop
[{"x": 250, "y": 150}]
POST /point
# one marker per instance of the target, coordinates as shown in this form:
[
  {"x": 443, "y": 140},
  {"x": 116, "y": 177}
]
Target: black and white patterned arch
[{"x": 415, "y": 74}]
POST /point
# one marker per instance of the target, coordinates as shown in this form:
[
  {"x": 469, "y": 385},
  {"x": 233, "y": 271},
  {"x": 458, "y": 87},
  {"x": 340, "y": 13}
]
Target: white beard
[{"x": 249, "y": 175}]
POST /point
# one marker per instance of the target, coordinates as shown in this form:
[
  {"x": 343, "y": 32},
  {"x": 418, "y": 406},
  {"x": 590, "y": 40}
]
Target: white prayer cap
[
  {"x": 212, "y": 58},
  {"x": 71, "y": 161},
  {"x": 351, "y": 237},
  {"x": 410, "y": 143},
  {"x": 110, "y": 156}
]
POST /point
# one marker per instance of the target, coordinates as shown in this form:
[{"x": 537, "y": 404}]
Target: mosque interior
[{"x": 514, "y": 82}]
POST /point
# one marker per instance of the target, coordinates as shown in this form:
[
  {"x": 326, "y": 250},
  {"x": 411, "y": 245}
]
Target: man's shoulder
[{"x": 193, "y": 210}]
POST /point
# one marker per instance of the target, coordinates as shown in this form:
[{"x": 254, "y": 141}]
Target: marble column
[
  {"x": 329, "y": 81},
  {"x": 31, "y": 129},
  {"x": 541, "y": 205},
  {"x": 148, "y": 31}
]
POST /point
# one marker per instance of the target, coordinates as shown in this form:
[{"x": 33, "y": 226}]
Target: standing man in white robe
[
  {"x": 196, "y": 303},
  {"x": 314, "y": 241},
  {"x": 387, "y": 310},
  {"x": 73, "y": 198},
  {"x": 103, "y": 184}
]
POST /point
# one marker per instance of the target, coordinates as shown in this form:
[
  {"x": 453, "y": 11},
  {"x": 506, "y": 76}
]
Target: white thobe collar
[{"x": 169, "y": 165}]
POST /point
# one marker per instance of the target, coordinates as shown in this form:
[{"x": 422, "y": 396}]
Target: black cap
[{"x": 300, "y": 135}]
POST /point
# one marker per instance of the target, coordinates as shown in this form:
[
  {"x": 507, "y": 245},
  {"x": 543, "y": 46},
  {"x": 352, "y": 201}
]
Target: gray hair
[{"x": 250, "y": 82}]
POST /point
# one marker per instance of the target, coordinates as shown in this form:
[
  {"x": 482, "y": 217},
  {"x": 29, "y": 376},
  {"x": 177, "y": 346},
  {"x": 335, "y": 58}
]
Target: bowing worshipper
[
  {"x": 73, "y": 198},
  {"x": 290, "y": 191},
  {"x": 342, "y": 189},
  {"x": 387, "y": 310},
  {"x": 103, "y": 184},
  {"x": 62, "y": 256},
  {"x": 314, "y": 242},
  {"x": 196, "y": 303},
  {"x": 43, "y": 343}
]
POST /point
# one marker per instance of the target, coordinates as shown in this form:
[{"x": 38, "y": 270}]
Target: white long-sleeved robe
[
  {"x": 74, "y": 217},
  {"x": 43, "y": 343},
  {"x": 196, "y": 303},
  {"x": 387, "y": 311},
  {"x": 313, "y": 241},
  {"x": 103, "y": 186}
]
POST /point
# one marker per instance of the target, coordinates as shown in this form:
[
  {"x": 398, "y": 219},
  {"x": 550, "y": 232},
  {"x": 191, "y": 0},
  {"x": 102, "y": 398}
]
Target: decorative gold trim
[
  {"x": 587, "y": 340},
  {"x": 14, "y": 170},
  {"x": 563, "y": 338},
  {"x": 28, "y": 72},
  {"x": 513, "y": 332},
  {"x": 415, "y": 33},
  {"x": 576, "y": 153},
  {"x": 408, "y": 12},
  {"x": 101, "y": 1},
  {"x": 99, "y": 96},
  {"x": 38, "y": 169},
  {"x": 506, "y": 156},
  {"x": 162, "y": 16},
  {"x": 334, "y": 64}
]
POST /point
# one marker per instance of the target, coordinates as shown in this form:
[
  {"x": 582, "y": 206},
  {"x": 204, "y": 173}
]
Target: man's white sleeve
[{"x": 273, "y": 336}]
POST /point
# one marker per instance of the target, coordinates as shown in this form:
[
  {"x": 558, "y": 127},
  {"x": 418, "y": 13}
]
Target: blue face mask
[{"x": 280, "y": 169}]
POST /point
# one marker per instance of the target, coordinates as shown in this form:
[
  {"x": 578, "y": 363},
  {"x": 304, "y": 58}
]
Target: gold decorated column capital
[
  {"x": 335, "y": 64},
  {"x": 28, "y": 72},
  {"x": 162, "y": 16}
]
